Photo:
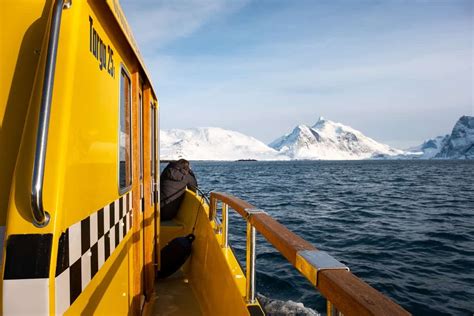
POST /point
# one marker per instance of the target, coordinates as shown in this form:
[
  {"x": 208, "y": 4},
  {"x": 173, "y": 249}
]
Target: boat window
[{"x": 125, "y": 143}]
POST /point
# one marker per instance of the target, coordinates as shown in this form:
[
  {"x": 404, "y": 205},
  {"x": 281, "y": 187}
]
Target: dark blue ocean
[{"x": 405, "y": 227}]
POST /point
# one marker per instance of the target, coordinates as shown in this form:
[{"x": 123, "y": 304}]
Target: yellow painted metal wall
[
  {"x": 21, "y": 43},
  {"x": 20, "y": 46},
  {"x": 81, "y": 175}
]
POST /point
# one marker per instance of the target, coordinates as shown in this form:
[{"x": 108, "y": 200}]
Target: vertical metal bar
[
  {"x": 157, "y": 152},
  {"x": 40, "y": 216},
  {"x": 152, "y": 151},
  {"x": 250, "y": 273},
  {"x": 140, "y": 144},
  {"x": 212, "y": 213},
  {"x": 225, "y": 225},
  {"x": 332, "y": 310},
  {"x": 329, "y": 309},
  {"x": 156, "y": 176}
]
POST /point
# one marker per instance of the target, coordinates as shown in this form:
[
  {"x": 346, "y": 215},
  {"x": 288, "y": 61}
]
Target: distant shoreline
[{"x": 319, "y": 160}]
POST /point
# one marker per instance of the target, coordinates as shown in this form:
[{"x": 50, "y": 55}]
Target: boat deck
[{"x": 174, "y": 296}]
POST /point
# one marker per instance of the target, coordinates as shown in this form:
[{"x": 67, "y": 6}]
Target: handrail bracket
[{"x": 311, "y": 262}]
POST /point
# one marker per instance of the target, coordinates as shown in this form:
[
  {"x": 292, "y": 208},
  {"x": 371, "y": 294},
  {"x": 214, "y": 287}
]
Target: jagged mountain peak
[
  {"x": 460, "y": 144},
  {"x": 321, "y": 120},
  {"x": 467, "y": 121},
  {"x": 329, "y": 140}
]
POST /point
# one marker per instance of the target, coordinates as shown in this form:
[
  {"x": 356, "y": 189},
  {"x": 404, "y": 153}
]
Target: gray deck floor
[{"x": 174, "y": 296}]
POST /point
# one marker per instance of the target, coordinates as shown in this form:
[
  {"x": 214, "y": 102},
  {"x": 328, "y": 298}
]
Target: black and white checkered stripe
[
  {"x": 85, "y": 246},
  {"x": 25, "y": 273}
]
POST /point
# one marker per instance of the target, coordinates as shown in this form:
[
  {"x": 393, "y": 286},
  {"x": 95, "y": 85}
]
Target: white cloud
[
  {"x": 156, "y": 23},
  {"x": 267, "y": 97}
]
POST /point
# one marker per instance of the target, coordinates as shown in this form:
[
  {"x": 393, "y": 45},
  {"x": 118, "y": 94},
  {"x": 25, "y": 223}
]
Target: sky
[{"x": 399, "y": 71}]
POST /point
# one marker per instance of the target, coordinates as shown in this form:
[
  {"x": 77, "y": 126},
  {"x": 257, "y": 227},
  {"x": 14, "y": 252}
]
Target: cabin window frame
[
  {"x": 124, "y": 189},
  {"x": 152, "y": 149}
]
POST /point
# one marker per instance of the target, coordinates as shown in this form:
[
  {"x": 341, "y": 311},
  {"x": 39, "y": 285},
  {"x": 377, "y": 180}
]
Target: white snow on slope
[
  {"x": 213, "y": 143},
  {"x": 328, "y": 140}
]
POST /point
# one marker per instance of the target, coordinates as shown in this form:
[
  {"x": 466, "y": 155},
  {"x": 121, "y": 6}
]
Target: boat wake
[{"x": 274, "y": 307}]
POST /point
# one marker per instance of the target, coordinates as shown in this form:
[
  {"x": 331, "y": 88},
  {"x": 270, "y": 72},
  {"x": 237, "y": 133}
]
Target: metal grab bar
[
  {"x": 346, "y": 293},
  {"x": 225, "y": 226},
  {"x": 40, "y": 216},
  {"x": 250, "y": 262}
]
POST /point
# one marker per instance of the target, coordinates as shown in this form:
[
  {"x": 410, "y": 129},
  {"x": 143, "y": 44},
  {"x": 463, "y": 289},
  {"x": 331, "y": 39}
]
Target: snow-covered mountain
[
  {"x": 460, "y": 144},
  {"x": 457, "y": 145},
  {"x": 329, "y": 140},
  {"x": 325, "y": 140},
  {"x": 212, "y": 143}
]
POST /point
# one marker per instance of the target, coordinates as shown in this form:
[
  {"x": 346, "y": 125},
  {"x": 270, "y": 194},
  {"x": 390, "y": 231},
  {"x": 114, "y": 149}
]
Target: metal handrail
[
  {"x": 346, "y": 293},
  {"x": 40, "y": 216}
]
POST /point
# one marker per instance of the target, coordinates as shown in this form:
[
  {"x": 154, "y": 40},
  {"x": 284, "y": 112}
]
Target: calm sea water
[{"x": 405, "y": 227}]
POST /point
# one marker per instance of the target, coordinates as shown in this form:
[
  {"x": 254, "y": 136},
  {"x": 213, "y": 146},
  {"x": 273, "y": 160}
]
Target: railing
[
  {"x": 40, "y": 216},
  {"x": 345, "y": 293}
]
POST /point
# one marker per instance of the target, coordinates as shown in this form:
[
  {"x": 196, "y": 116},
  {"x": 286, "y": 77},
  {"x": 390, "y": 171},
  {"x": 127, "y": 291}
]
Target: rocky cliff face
[
  {"x": 429, "y": 149},
  {"x": 460, "y": 144}
]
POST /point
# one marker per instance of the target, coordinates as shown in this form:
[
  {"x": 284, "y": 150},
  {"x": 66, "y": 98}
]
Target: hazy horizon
[{"x": 398, "y": 71}]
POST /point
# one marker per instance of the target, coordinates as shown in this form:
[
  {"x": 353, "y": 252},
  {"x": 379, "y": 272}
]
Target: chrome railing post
[
  {"x": 213, "y": 215},
  {"x": 213, "y": 211},
  {"x": 225, "y": 225},
  {"x": 40, "y": 216},
  {"x": 250, "y": 273}
]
